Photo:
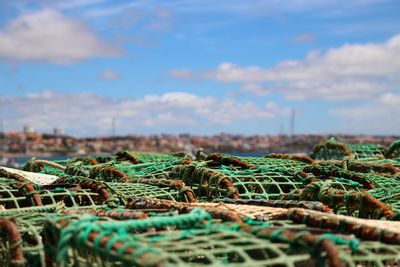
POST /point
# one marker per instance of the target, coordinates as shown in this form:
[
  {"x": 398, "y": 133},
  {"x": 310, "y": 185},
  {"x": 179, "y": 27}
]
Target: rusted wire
[
  {"x": 390, "y": 151},
  {"x": 125, "y": 155},
  {"x": 301, "y": 158},
  {"x": 38, "y": 165},
  {"x": 182, "y": 208},
  {"x": 364, "y": 167},
  {"x": 176, "y": 184},
  {"x": 10, "y": 229},
  {"x": 329, "y": 172},
  {"x": 221, "y": 159},
  {"x": 96, "y": 187},
  {"x": 89, "y": 161},
  {"x": 25, "y": 184},
  {"x": 293, "y": 237},
  {"x": 340, "y": 224},
  {"x": 330, "y": 145},
  {"x": 367, "y": 205},
  {"x": 93, "y": 237},
  {"x": 205, "y": 178},
  {"x": 108, "y": 174}
]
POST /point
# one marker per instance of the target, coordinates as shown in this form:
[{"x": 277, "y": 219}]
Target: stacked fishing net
[
  {"x": 149, "y": 209},
  {"x": 198, "y": 237},
  {"x": 333, "y": 149},
  {"x": 378, "y": 164}
]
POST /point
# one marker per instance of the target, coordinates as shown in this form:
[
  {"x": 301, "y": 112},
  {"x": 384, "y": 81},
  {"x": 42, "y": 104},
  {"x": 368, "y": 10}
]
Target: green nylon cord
[
  {"x": 348, "y": 181},
  {"x": 353, "y": 243},
  {"x": 276, "y": 235}
]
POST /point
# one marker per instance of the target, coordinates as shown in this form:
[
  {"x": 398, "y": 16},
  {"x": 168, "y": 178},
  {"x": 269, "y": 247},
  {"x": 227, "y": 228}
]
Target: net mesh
[
  {"x": 393, "y": 151},
  {"x": 127, "y": 190},
  {"x": 195, "y": 238},
  {"x": 341, "y": 208},
  {"x": 332, "y": 149}
]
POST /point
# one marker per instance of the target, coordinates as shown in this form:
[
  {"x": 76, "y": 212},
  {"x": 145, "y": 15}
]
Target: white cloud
[
  {"x": 352, "y": 71},
  {"x": 48, "y": 35},
  {"x": 305, "y": 37},
  {"x": 374, "y": 117},
  {"x": 88, "y": 113},
  {"x": 390, "y": 100},
  {"x": 110, "y": 75},
  {"x": 255, "y": 89},
  {"x": 182, "y": 74}
]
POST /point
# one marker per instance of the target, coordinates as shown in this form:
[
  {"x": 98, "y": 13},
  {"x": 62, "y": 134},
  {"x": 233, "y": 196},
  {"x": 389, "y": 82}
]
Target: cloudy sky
[{"x": 200, "y": 66}]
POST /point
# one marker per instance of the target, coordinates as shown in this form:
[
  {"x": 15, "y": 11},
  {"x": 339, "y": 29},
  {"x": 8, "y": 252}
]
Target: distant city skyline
[
  {"x": 94, "y": 67},
  {"x": 39, "y": 145}
]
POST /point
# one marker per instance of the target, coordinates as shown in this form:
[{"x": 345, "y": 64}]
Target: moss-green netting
[
  {"x": 289, "y": 163},
  {"x": 85, "y": 224},
  {"x": 195, "y": 239},
  {"x": 332, "y": 149},
  {"x": 127, "y": 190},
  {"x": 393, "y": 151}
]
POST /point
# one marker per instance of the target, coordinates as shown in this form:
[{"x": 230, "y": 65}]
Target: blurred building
[
  {"x": 58, "y": 131},
  {"x": 28, "y": 129}
]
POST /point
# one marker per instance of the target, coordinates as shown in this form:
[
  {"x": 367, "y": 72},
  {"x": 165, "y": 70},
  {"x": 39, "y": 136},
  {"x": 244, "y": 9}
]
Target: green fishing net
[
  {"x": 333, "y": 149},
  {"x": 196, "y": 239},
  {"x": 146, "y": 209}
]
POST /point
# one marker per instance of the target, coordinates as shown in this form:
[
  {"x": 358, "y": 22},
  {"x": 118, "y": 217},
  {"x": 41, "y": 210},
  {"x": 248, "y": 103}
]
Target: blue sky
[{"x": 200, "y": 66}]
